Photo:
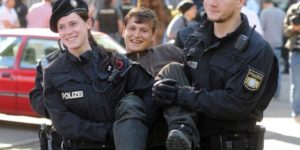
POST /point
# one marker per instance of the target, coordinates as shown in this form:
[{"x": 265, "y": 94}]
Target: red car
[{"x": 20, "y": 51}]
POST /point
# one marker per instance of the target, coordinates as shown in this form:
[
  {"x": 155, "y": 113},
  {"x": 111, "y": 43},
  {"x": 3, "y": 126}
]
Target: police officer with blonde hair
[{"x": 232, "y": 76}]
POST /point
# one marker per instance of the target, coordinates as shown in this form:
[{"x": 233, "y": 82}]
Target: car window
[
  {"x": 109, "y": 43},
  {"x": 8, "y": 50},
  {"x": 35, "y": 50}
]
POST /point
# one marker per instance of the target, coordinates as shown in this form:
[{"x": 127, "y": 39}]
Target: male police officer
[{"x": 232, "y": 75}]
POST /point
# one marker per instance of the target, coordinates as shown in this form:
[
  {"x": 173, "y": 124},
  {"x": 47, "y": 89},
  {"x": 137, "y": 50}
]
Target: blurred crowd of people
[{"x": 108, "y": 15}]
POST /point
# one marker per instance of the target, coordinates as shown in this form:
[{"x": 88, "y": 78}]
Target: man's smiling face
[{"x": 138, "y": 36}]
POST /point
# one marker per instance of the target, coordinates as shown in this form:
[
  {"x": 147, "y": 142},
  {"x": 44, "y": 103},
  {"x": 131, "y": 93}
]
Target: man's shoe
[{"x": 177, "y": 140}]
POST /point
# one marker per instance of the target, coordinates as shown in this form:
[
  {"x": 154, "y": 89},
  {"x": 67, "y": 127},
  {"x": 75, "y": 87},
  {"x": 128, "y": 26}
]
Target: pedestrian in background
[
  {"x": 9, "y": 17},
  {"x": 292, "y": 32},
  {"x": 163, "y": 15},
  {"x": 109, "y": 20},
  {"x": 188, "y": 12},
  {"x": 253, "y": 19},
  {"x": 90, "y": 92},
  {"x": 271, "y": 19},
  {"x": 183, "y": 34},
  {"x": 232, "y": 76},
  {"x": 22, "y": 11},
  {"x": 39, "y": 14},
  {"x": 285, "y": 51},
  {"x": 125, "y": 7},
  {"x": 254, "y": 5}
]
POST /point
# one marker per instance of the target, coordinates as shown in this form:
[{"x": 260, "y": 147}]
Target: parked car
[{"x": 20, "y": 51}]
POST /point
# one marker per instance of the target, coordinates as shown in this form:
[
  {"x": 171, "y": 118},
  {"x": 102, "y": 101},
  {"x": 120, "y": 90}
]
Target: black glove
[{"x": 165, "y": 91}]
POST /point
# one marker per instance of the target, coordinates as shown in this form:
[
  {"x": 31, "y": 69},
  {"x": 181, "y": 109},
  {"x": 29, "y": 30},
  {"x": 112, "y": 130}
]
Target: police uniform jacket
[
  {"x": 231, "y": 87},
  {"x": 36, "y": 94},
  {"x": 81, "y": 93}
]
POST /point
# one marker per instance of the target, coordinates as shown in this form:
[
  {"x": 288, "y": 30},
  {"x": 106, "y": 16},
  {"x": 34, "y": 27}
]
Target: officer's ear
[{"x": 89, "y": 23}]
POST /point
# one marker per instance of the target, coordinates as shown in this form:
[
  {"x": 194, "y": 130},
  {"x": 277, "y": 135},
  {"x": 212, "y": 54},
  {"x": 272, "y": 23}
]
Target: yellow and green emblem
[{"x": 253, "y": 80}]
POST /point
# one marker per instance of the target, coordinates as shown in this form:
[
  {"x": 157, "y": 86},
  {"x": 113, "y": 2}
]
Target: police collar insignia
[
  {"x": 253, "y": 80},
  {"x": 74, "y": 3}
]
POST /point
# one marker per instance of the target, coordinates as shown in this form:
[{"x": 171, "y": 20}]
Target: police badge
[
  {"x": 74, "y": 3},
  {"x": 253, "y": 80}
]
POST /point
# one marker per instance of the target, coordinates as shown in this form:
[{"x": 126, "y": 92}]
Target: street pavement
[{"x": 283, "y": 133}]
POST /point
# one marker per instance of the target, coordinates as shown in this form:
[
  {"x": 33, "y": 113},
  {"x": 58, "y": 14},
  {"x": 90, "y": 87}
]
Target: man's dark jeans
[{"x": 177, "y": 115}]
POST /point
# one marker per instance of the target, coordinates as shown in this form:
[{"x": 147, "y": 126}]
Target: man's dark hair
[{"x": 142, "y": 15}]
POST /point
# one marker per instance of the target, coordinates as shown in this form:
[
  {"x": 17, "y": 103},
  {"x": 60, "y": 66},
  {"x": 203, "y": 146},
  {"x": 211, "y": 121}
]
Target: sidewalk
[{"x": 283, "y": 133}]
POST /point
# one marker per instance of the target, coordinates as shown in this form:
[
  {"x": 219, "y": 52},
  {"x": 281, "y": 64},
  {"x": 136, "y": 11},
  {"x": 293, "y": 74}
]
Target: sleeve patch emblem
[{"x": 253, "y": 80}]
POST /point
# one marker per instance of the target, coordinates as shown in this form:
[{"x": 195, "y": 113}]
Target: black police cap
[{"x": 63, "y": 8}]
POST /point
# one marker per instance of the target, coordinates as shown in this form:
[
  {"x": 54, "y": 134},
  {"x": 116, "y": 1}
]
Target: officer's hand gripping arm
[{"x": 165, "y": 91}]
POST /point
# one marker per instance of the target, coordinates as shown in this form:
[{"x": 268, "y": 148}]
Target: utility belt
[
  {"x": 76, "y": 145},
  {"x": 49, "y": 138},
  {"x": 252, "y": 139}
]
